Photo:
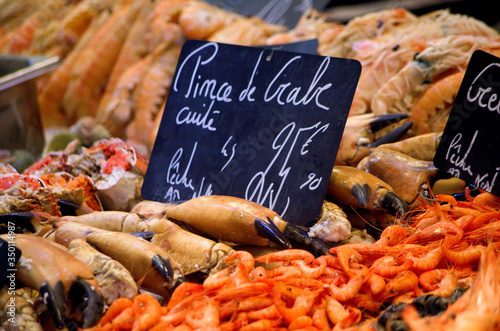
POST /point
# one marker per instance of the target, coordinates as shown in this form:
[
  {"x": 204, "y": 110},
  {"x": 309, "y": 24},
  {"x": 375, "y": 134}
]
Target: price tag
[
  {"x": 256, "y": 123},
  {"x": 470, "y": 146}
]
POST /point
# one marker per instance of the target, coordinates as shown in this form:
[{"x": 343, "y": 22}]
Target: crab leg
[
  {"x": 60, "y": 278},
  {"x": 150, "y": 265},
  {"x": 230, "y": 219},
  {"x": 358, "y": 188}
]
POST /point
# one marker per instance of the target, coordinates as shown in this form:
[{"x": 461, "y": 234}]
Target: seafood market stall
[{"x": 176, "y": 137}]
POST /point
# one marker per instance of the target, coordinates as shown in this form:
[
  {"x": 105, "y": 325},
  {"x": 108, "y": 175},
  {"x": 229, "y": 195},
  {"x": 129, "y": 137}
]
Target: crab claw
[
  {"x": 230, "y": 219},
  {"x": 357, "y": 188},
  {"x": 145, "y": 261},
  {"x": 408, "y": 177},
  {"x": 390, "y": 201},
  {"x": 364, "y": 132},
  {"x": 62, "y": 280}
]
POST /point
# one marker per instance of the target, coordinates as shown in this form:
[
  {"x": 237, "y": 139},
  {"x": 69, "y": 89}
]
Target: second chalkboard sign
[
  {"x": 470, "y": 145},
  {"x": 255, "y": 123}
]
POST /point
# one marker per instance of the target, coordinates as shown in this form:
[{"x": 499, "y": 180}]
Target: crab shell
[
  {"x": 26, "y": 193},
  {"x": 117, "y": 171},
  {"x": 79, "y": 189},
  {"x": 121, "y": 190}
]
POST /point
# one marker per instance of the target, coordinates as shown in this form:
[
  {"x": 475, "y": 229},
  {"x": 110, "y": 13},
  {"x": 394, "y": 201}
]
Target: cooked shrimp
[
  {"x": 302, "y": 304},
  {"x": 427, "y": 261},
  {"x": 349, "y": 290},
  {"x": 439, "y": 281},
  {"x": 147, "y": 311},
  {"x": 286, "y": 255},
  {"x": 388, "y": 266},
  {"x": 401, "y": 283},
  {"x": 335, "y": 310},
  {"x": 463, "y": 257}
]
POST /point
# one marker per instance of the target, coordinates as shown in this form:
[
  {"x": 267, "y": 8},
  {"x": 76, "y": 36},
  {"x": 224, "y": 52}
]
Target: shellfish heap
[{"x": 119, "y": 56}]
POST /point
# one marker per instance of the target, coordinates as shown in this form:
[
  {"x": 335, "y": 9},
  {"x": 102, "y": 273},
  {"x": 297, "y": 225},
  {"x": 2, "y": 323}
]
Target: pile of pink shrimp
[{"x": 437, "y": 251}]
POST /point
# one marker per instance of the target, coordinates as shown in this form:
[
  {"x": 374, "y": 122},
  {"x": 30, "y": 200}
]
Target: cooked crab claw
[
  {"x": 66, "y": 284},
  {"x": 394, "y": 204},
  {"x": 270, "y": 231},
  {"x": 230, "y": 219},
  {"x": 390, "y": 201},
  {"x": 393, "y": 135},
  {"x": 366, "y": 131},
  {"x": 360, "y": 189},
  {"x": 147, "y": 263},
  {"x": 86, "y": 303}
]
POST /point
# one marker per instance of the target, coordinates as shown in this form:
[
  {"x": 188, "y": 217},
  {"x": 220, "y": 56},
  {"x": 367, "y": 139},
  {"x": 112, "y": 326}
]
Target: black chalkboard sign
[
  {"x": 281, "y": 12},
  {"x": 251, "y": 122},
  {"x": 470, "y": 146}
]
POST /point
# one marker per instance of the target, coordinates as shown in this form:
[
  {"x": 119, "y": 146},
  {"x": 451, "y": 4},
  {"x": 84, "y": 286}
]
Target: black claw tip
[
  {"x": 394, "y": 204},
  {"x": 89, "y": 303},
  {"x": 392, "y": 136},
  {"x": 381, "y": 121},
  {"x": 300, "y": 237},
  {"x": 68, "y": 208},
  {"x": 164, "y": 267},
  {"x": 270, "y": 231},
  {"x": 362, "y": 194},
  {"x": 54, "y": 300},
  {"x": 147, "y": 235},
  {"x": 21, "y": 221}
]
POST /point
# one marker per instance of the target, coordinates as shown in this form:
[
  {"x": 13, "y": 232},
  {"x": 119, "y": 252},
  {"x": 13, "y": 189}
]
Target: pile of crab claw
[{"x": 84, "y": 237}]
